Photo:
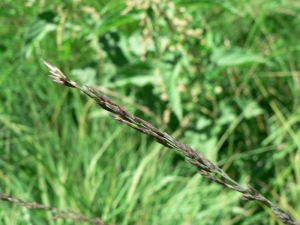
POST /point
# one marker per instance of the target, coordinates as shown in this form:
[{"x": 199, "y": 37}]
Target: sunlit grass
[{"x": 60, "y": 150}]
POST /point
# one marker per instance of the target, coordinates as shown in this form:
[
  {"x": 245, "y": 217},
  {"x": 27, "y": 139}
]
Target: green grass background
[{"x": 222, "y": 76}]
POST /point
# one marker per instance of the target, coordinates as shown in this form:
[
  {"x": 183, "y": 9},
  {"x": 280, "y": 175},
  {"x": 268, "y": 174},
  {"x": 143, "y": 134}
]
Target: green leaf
[
  {"x": 203, "y": 122},
  {"x": 170, "y": 81},
  {"x": 44, "y": 23},
  {"x": 197, "y": 4},
  {"x": 114, "y": 22},
  {"x": 139, "y": 81},
  {"x": 227, "y": 113},
  {"x": 234, "y": 57},
  {"x": 86, "y": 75},
  {"x": 250, "y": 107}
]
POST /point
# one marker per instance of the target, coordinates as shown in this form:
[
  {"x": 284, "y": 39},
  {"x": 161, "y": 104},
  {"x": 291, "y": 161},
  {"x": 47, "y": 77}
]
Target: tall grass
[
  {"x": 205, "y": 167},
  {"x": 222, "y": 77}
]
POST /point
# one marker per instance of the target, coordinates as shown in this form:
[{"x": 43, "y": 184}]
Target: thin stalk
[{"x": 57, "y": 213}]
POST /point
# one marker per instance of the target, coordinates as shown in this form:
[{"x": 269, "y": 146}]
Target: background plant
[{"x": 222, "y": 76}]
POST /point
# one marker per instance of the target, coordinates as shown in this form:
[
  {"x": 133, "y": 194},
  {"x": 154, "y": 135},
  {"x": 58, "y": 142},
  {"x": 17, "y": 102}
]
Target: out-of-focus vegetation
[{"x": 222, "y": 76}]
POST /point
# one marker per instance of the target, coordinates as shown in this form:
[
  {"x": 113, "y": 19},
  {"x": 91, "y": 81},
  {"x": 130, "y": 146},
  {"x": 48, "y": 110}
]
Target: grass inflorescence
[{"x": 204, "y": 166}]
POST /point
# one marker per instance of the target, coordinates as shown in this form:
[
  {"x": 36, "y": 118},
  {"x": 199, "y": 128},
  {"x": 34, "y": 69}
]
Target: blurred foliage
[{"x": 222, "y": 75}]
